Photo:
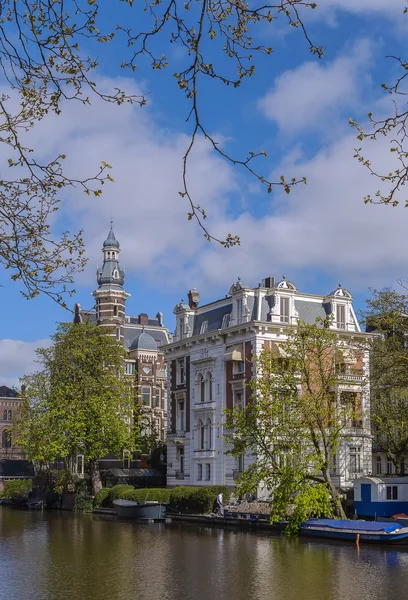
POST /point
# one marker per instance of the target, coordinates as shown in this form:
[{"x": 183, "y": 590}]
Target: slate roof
[
  {"x": 105, "y": 275},
  {"x": 310, "y": 311},
  {"x": 143, "y": 341},
  {"x": 160, "y": 336},
  {"x": 111, "y": 241},
  {"x": 214, "y": 318},
  {"x": 6, "y": 392}
]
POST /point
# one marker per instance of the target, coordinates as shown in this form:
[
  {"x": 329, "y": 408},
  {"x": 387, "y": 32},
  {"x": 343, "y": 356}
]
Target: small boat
[
  {"x": 363, "y": 531},
  {"x": 150, "y": 510}
]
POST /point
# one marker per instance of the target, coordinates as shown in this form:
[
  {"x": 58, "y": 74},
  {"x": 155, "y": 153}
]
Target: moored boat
[
  {"x": 128, "y": 509},
  {"x": 362, "y": 531}
]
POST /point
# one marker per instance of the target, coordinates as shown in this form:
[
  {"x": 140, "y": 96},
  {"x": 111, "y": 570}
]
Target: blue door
[{"x": 365, "y": 498}]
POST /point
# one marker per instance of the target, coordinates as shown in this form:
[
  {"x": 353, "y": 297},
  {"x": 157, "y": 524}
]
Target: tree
[
  {"x": 294, "y": 423},
  {"x": 387, "y": 315},
  {"x": 45, "y": 65},
  {"x": 393, "y": 127},
  {"x": 80, "y": 401}
]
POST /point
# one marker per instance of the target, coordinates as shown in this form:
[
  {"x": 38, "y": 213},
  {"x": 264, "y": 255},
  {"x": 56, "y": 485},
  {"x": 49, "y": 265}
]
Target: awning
[
  {"x": 277, "y": 350},
  {"x": 234, "y": 353}
]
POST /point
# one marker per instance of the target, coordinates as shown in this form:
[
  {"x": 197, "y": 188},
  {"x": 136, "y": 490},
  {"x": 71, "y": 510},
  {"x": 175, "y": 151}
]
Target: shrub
[
  {"x": 17, "y": 488},
  {"x": 157, "y": 494},
  {"x": 189, "y": 499},
  {"x": 83, "y": 501},
  {"x": 117, "y": 491},
  {"x": 101, "y": 497}
]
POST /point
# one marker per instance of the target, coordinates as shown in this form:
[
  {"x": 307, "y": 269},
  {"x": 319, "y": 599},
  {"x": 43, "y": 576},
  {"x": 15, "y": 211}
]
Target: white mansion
[{"x": 210, "y": 361}]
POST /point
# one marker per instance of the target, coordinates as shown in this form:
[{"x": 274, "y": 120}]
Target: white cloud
[
  {"x": 17, "y": 358},
  {"x": 305, "y": 98},
  {"x": 364, "y": 7}
]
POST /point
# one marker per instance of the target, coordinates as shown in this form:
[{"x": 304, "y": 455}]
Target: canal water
[{"x": 60, "y": 556}]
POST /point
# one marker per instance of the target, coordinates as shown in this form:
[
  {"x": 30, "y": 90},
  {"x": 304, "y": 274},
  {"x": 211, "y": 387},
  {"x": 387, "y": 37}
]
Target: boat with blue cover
[
  {"x": 150, "y": 510},
  {"x": 363, "y": 531}
]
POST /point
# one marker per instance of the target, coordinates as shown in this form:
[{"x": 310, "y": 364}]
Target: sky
[{"x": 296, "y": 108}]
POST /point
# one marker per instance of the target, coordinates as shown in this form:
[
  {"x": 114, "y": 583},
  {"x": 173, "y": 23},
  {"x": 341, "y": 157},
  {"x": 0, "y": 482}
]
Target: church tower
[{"x": 110, "y": 297}]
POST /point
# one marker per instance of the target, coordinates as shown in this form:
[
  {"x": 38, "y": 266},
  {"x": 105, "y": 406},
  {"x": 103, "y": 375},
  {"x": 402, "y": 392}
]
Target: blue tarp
[{"x": 353, "y": 525}]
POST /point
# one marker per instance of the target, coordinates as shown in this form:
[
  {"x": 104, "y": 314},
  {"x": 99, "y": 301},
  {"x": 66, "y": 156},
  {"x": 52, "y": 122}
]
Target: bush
[
  {"x": 189, "y": 499},
  {"x": 101, "y": 497},
  {"x": 117, "y": 491},
  {"x": 17, "y": 488},
  {"x": 83, "y": 501},
  {"x": 157, "y": 494}
]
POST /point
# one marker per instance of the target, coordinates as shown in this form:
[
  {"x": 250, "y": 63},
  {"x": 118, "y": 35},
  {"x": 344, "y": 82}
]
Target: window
[
  {"x": 208, "y": 471},
  {"x": 6, "y": 439},
  {"x": 10, "y": 415},
  {"x": 146, "y": 396},
  {"x": 181, "y": 328},
  {"x": 239, "y": 311},
  {"x": 115, "y": 274},
  {"x": 341, "y": 316},
  {"x": 389, "y": 467},
  {"x": 378, "y": 466},
  {"x": 130, "y": 368},
  {"x": 209, "y": 382},
  {"x": 5, "y": 415},
  {"x": 117, "y": 333},
  {"x": 80, "y": 464},
  {"x": 180, "y": 371},
  {"x": 157, "y": 397},
  {"x": 115, "y": 310},
  {"x": 181, "y": 420},
  {"x": 200, "y": 435},
  {"x": 355, "y": 459},
  {"x": 209, "y": 434},
  {"x": 204, "y": 327},
  {"x": 180, "y": 452},
  {"x": 240, "y": 463},
  {"x": 225, "y": 321},
  {"x": 238, "y": 366},
  {"x": 284, "y": 309},
  {"x": 392, "y": 492},
  {"x": 238, "y": 396},
  {"x": 199, "y": 472},
  {"x": 201, "y": 382}
]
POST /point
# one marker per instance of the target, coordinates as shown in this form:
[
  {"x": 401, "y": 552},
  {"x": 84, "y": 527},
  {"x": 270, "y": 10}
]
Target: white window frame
[
  {"x": 181, "y": 414},
  {"x": 181, "y": 371},
  {"x": 355, "y": 456},
  {"x": 204, "y": 327},
  {"x": 341, "y": 318},
  {"x": 158, "y": 398},
  {"x": 143, "y": 392},
  {"x": 130, "y": 367},
  {"x": 284, "y": 309},
  {"x": 207, "y": 471},
  {"x": 238, "y": 367},
  {"x": 199, "y": 472},
  {"x": 239, "y": 306},
  {"x": 225, "y": 321}
]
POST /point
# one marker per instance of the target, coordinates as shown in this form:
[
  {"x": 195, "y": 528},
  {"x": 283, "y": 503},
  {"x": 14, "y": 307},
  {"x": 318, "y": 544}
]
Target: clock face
[{"x": 146, "y": 370}]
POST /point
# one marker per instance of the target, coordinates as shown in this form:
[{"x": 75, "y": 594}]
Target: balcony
[
  {"x": 179, "y": 434},
  {"x": 351, "y": 378},
  {"x": 205, "y": 453},
  {"x": 204, "y": 405}
]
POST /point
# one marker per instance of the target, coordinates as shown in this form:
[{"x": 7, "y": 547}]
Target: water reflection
[{"x": 53, "y": 556}]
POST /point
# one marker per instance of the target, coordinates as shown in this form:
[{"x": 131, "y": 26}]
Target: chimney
[
  {"x": 193, "y": 299},
  {"x": 143, "y": 319},
  {"x": 159, "y": 317},
  {"x": 268, "y": 282}
]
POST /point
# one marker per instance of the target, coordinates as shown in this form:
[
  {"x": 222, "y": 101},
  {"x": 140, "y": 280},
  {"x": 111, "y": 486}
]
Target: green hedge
[
  {"x": 101, "y": 497},
  {"x": 189, "y": 499},
  {"x": 158, "y": 494},
  {"x": 17, "y": 488}
]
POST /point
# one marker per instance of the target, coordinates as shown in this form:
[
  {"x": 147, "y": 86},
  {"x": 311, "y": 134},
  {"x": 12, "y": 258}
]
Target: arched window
[
  {"x": 200, "y": 435},
  {"x": 209, "y": 434},
  {"x": 202, "y": 388},
  {"x": 209, "y": 383},
  {"x": 6, "y": 439},
  {"x": 5, "y": 415},
  {"x": 10, "y": 416}
]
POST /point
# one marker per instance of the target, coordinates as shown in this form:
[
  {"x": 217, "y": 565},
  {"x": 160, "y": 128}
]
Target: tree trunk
[
  {"x": 335, "y": 496},
  {"x": 95, "y": 476}
]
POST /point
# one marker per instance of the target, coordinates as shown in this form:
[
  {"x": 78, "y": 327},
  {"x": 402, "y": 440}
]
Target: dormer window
[
  {"x": 239, "y": 310},
  {"x": 115, "y": 274},
  {"x": 204, "y": 327},
  {"x": 341, "y": 316},
  {"x": 225, "y": 321},
  {"x": 284, "y": 307}
]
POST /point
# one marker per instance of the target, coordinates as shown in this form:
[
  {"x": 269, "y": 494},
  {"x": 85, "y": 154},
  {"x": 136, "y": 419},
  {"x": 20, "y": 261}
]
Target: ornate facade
[{"x": 210, "y": 363}]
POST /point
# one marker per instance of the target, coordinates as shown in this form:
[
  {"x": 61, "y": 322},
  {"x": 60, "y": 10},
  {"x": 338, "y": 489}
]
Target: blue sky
[{"x": 296, "y": 108}]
